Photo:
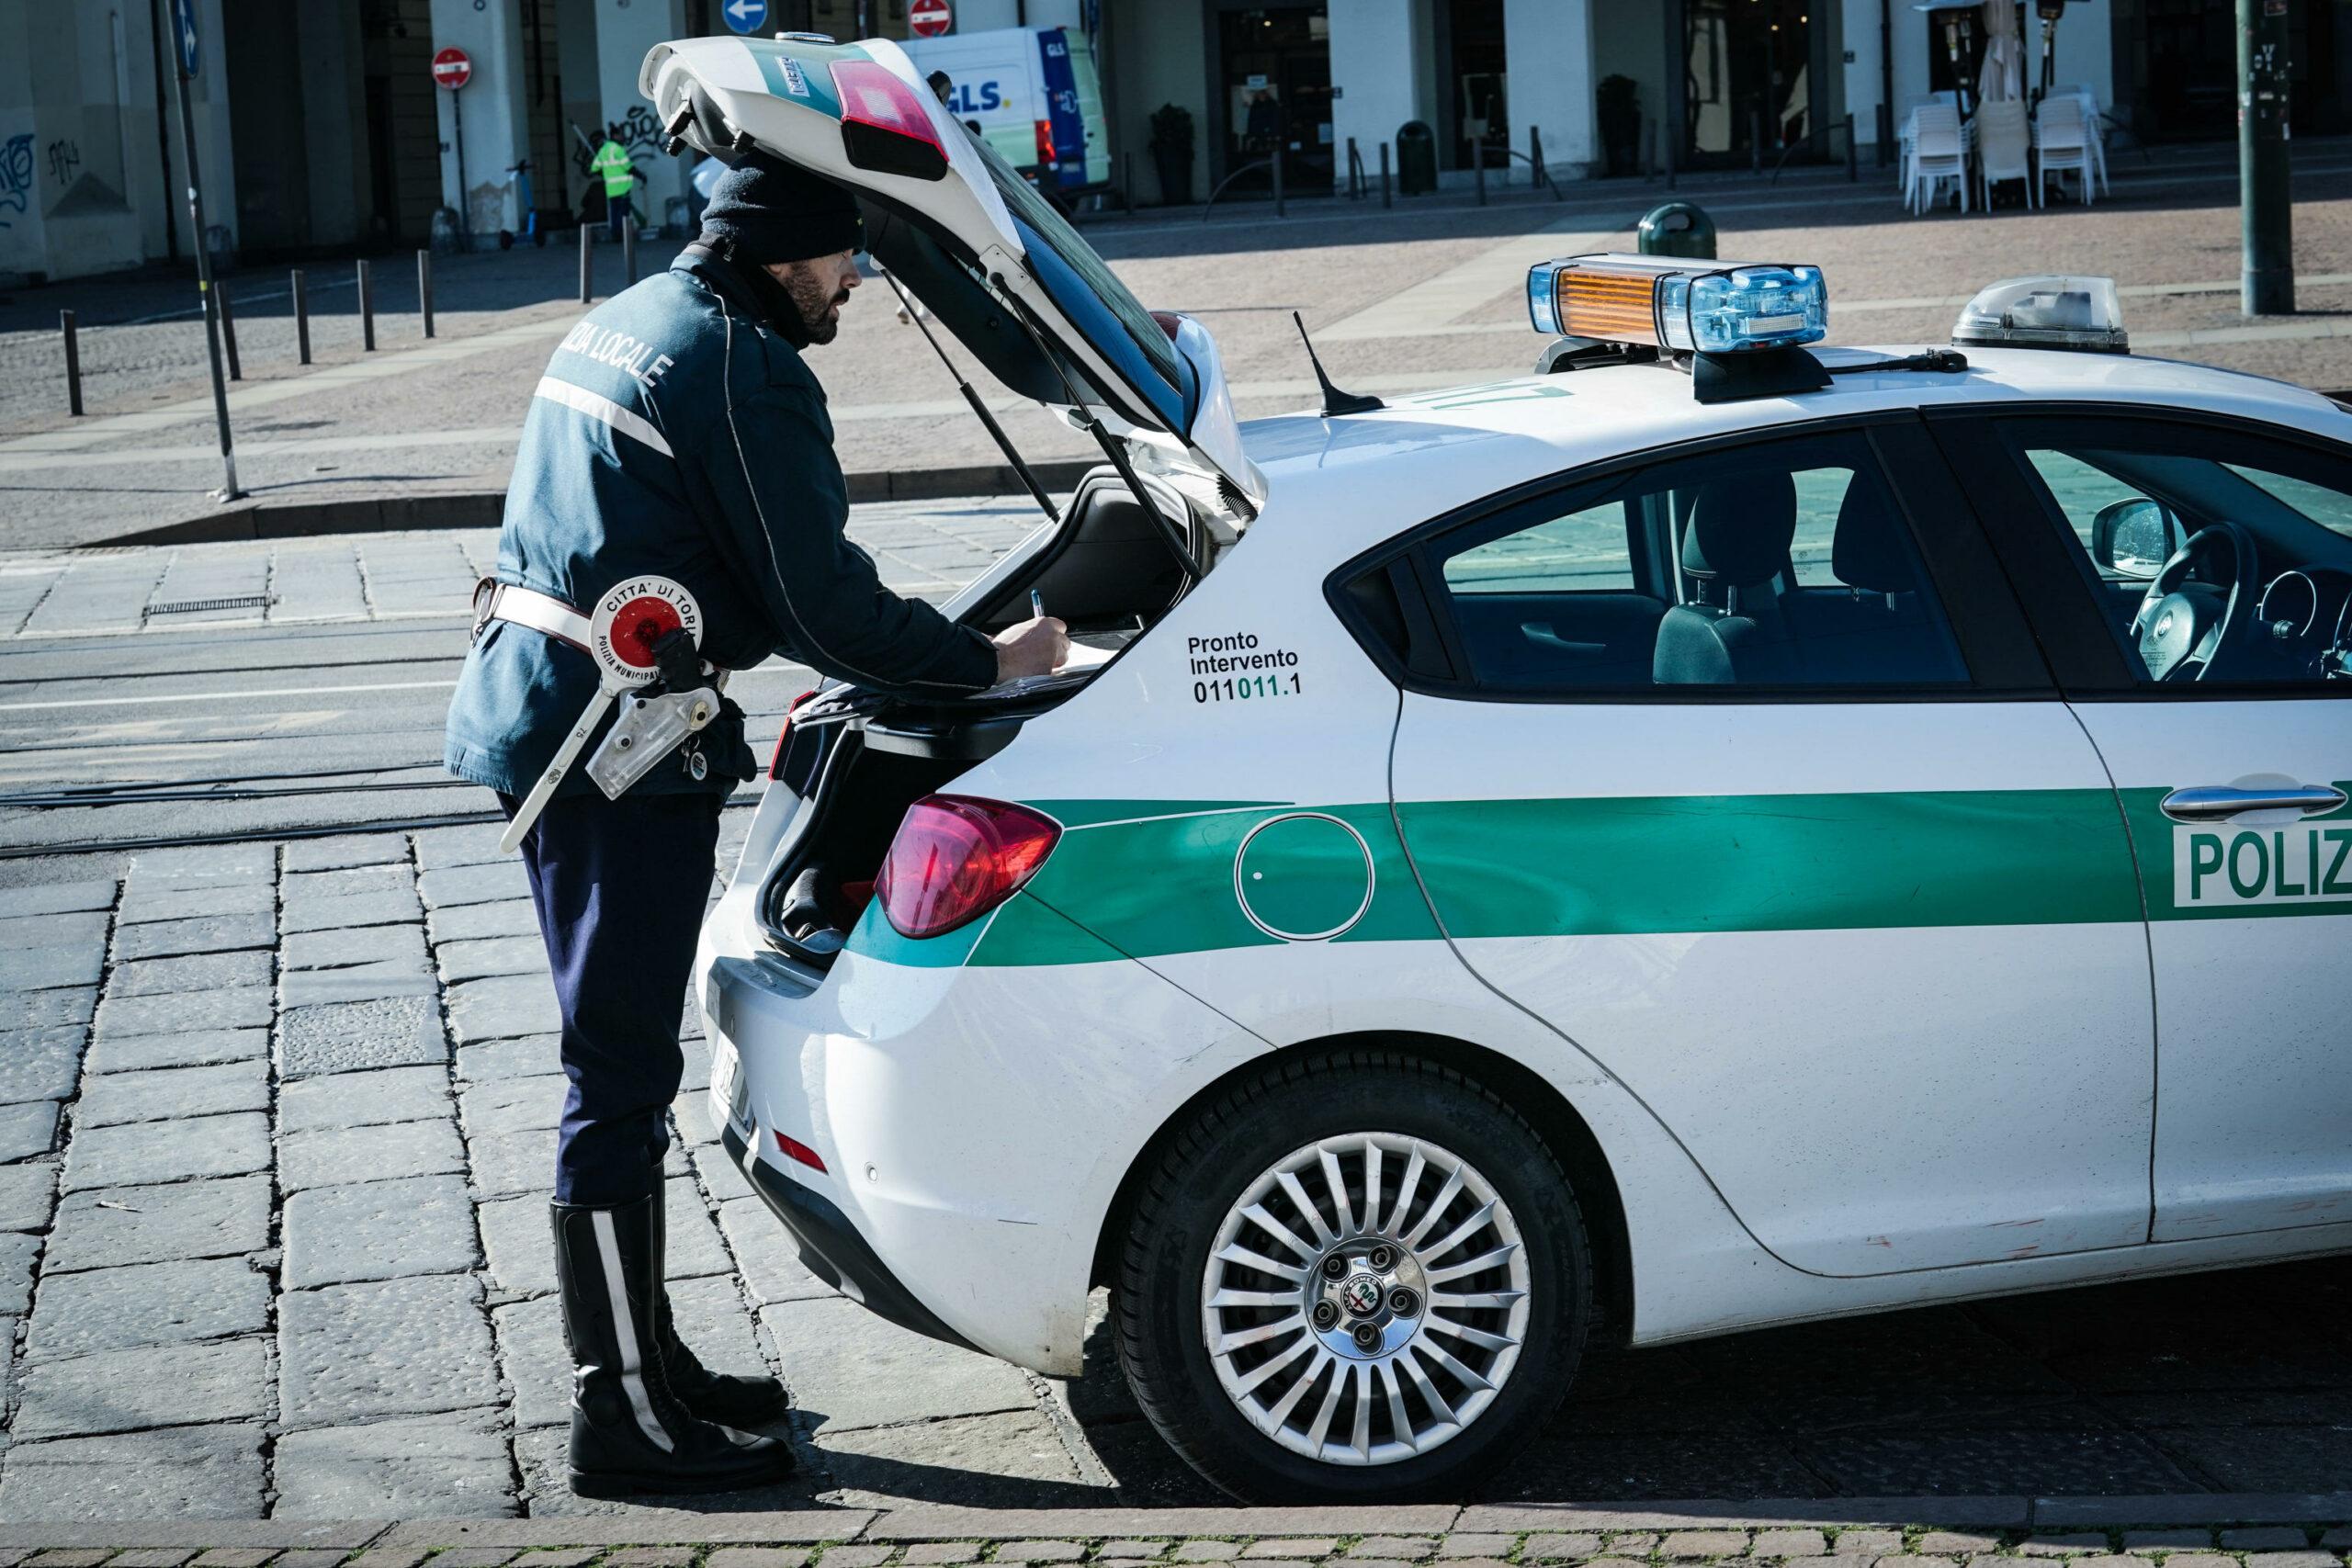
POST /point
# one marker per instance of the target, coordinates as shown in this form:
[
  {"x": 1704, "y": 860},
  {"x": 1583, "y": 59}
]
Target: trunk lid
[{"x": 967, "y": 235}]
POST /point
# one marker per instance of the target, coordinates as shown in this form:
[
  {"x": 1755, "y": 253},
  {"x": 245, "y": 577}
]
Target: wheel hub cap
[{"x": 1366, "y": 1299}]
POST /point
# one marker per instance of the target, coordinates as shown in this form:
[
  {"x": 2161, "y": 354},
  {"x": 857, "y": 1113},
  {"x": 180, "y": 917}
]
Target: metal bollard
[
  {"x": 1853, "y": 153},
  {"x": 629, "y": 251},
  {"x": 424, "y": 289},
  {"x": 1538, "y": 176},
  {"x": 72, "y": 363},
  {"x": 1478, "y": 163},
  {"x": 367, "y": 311},
  {"x": 228, "y": 328},
  {"x": 584, "y": 295},
  {"x": 1384, "y": 173},
  {"x": 301, "y": 318},
  {"x": 1278, "y": 180}
]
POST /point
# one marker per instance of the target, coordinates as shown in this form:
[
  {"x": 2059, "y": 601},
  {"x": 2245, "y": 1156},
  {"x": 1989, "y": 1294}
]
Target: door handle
[{"x": 2213, "y": 803}]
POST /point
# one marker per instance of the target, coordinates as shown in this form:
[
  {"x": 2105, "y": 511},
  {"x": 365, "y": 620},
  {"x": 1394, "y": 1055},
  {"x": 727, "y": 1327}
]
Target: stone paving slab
[
  {"x": 727, "y": 1528},
  {"x": 134, "y": 1390},
  {"x": 342, "y": 1037},
  {"x": 44, "y": 931},
  {"x": 453, "y": 886},
  {"x": 202, "y": 972},
  {"x": 414, "y": 1467},
  {"x": 49, "y": 1009},
  {"x": 42, "y": 968},
  {"x": 148, "y": 906},
  {"x": 375, "y": 981},
  {"x": 379, "y": 1230},
  {"x": 852, "y": 1368},
  {"x": 41, "y": 1064},
  {"x": 148, "y": 1304},
  {"x": 17, "y": 1257},
  {"x": 528, "y": 1055},
  {"x": 195, "y": 1048},
  {"x": 382, "y": 1152},
  {"x": 28, "y": 1196},
  {"x": 173, "y": 1094},
  {"x": 358, "y": 1352},
  {"x": 341, "y": 1102},
  {"x": 184, "y": 1012},
  {"x": 199, "y": 934},
  {"x": 184, "y": 1473},
  {"x": 345, "y": 946},
  {"x": 512, "y": 1105},
  {"x": 58, "y": 897},
  {"x": 28, "y": 1129},
  {"x": 344, "y": 851},
  {"x": 513, "y": 917},
  {"x": 110, "y": 1228},
  {"x": 997, "y": 1459},
  {"x": 150, "y": 1153},
  {"x": 484, "y": 957},
  {"x": 503, "y": 1007},
  {"x": 334, "y": 913},
  {"x": 1997, "y": 1512}
]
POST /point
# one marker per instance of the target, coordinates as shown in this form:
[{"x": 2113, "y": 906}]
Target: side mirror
[{"x": 2135, "y": 538}]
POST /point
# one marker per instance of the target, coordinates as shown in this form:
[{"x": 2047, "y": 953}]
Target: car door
[
  {"x": 1829, "y": 877},
  {"x": 2234, "y": 772}
]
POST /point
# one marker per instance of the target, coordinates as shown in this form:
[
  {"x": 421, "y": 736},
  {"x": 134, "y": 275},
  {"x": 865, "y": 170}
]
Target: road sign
[
  {"x": 451, "y": 69},
  {"x": 183, "y": 29},
  {"x": 745, "y": 17},
  {"x": 929, "y": 18}
]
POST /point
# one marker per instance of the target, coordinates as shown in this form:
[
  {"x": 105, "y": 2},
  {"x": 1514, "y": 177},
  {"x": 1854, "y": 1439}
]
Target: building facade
[{"x": 321, "y": 130}]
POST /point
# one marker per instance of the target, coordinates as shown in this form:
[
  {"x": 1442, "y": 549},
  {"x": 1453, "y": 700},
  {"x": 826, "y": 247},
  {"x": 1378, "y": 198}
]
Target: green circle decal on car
[{"x": 1303, "y": 878}]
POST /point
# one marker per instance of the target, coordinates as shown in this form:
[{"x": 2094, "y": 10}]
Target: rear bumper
[{"x": 832, "y": 1249}]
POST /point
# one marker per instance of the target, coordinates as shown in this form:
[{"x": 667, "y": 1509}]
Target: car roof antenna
[{"x": 1335, "y": 402}]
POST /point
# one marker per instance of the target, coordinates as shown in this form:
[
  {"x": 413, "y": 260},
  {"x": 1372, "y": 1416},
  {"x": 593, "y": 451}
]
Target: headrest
[
  {"x": 1740, "y": 528},
  {"x": 1868, "y": 550}
]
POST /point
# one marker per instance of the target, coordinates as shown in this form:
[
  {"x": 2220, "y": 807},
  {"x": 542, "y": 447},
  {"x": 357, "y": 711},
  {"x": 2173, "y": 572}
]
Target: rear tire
[{"x": 1421, "y": 1376}]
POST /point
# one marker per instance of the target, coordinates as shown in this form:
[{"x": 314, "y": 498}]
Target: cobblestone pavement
[
  {"x": 1423, "y": 295},
  {"x": 276, "y": 1128}
]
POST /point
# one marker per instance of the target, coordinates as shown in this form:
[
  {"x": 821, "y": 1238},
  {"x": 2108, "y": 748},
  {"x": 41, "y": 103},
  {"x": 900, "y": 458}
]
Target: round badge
[
  {"x": 1306, "y": 876},
  {"x": 632, "y": 618}
]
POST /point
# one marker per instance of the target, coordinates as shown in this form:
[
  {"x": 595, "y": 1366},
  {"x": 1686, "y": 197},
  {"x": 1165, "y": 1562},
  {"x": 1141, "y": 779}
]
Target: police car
[{"x": 1712, "y": 833}]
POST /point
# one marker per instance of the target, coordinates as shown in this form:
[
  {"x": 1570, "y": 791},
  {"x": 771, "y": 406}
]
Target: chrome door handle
[{"x": 2213, "y": 803}]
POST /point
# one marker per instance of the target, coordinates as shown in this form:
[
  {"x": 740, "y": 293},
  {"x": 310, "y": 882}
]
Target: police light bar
[
  {"x": 1669, "y": 303},
  {"x": 2083, "y": 314}
]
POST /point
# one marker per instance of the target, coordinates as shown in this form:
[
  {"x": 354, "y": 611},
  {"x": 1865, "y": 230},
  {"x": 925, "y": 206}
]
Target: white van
[{"x": 1032, "y": 91}]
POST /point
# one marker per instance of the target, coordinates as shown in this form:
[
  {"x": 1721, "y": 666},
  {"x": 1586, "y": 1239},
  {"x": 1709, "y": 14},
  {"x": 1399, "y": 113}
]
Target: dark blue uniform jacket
[{"x": 677, "y": 433}]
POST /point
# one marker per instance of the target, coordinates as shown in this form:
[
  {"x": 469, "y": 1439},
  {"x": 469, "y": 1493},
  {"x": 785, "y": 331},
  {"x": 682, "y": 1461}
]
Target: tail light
[
  {"x": 783, "y": 736},
  {"x": 955, "y": 858},
  {"x": 884, "y": 124},
  {"x": 1045, "y": 142}
]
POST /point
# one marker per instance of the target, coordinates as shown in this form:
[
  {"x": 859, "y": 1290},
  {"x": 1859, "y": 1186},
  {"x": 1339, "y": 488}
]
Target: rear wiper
[{"x": 988, "y": 420}]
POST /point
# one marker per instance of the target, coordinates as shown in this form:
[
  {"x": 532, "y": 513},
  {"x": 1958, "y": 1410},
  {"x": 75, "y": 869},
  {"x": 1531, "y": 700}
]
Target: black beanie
[{"x": 773, "y": 212}]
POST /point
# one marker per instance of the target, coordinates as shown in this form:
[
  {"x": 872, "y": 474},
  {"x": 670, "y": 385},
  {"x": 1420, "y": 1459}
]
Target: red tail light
[
  {"x": 955, "y": 858},
  {"x": 783, "y": 736},
  {"x": 884, "y": 124},
  {"x": 1045, "y": 142}
]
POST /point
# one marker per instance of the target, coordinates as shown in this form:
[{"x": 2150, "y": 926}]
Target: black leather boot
[
  {"x": 728, "y": 1398},
  {"x": 630, "y": 1432}
]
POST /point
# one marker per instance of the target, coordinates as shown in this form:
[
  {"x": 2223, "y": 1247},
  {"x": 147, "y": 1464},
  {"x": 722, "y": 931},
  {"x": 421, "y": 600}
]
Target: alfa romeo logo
[{"x": 1360, "y": 1294}]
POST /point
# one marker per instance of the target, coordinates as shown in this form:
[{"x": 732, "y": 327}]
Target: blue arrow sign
[
  {"x": 745, "y": 17},
  {"x": 183, "y": 29}
]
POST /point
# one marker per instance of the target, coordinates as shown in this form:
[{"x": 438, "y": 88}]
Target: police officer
[{"x": 677, "y": 432}]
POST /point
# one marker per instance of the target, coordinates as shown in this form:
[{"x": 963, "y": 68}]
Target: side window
[
  {"x": 2212, "y": 556},
  {"x": 1783, "y": 564}
]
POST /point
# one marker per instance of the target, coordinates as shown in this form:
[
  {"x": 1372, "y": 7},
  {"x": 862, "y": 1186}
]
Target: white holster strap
[{"x": 495, "y": 600}]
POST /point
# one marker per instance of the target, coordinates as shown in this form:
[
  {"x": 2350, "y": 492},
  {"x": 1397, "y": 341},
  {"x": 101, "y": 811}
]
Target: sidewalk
[{"x": 1422, "y": 295}]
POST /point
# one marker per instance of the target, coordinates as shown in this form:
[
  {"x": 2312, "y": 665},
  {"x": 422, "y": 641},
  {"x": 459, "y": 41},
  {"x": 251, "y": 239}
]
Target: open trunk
[{"x": 857, "y": 759}]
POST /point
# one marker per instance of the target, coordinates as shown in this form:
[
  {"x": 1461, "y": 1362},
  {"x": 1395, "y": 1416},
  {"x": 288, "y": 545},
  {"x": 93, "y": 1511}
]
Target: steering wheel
[{"x": 2180, "y": 624}]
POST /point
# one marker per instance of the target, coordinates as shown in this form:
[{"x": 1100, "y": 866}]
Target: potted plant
[
  {"x": 1620, "y": 121},
  {"x": 1171, "y": 153}
]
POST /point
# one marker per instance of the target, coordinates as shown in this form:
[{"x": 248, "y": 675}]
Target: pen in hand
[{"x": 1037, "y": 605}]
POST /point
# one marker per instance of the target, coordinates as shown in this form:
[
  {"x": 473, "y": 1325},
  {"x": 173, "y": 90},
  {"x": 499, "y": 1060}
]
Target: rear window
[{"x": 1043, "y": 223}]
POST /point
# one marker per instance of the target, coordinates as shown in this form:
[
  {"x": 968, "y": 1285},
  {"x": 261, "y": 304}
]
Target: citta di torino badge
[{"x": 628, "y": 621}]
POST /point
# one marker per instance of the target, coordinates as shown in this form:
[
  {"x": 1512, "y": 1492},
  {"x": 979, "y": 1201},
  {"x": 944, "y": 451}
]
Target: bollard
[
  {"x": 301, "y": 319},
  {"x": 228, "y": 328},
  {"x": 1384, "y": 173},
  {"x": 1478, "y": 163},
  {"x": 628, "y": 252},
  {"x": 424, "y": 289},
  {"x": 72, "y": 363},
  {"x": 367, "y": 311},
  {"x": 1853, "y": 153},
  {"x": 1278, "y": 180},
  {"x": 1538, "y": 176},
  {"x": 584, "y": 295}
]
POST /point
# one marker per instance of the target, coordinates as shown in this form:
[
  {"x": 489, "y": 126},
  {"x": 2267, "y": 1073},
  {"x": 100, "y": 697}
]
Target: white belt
[{"x": 528, "y": 607}]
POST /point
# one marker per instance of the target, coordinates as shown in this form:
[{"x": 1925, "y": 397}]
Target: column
[
  {"x": 496, "y": 131},
  {"x": 1379, "y": 64},
  {"x": 1549, "y": 45},
  {"x": 625, "y": 33}
]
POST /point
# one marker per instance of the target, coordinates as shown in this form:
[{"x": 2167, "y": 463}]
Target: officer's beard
[{"x": 818, "y": 304}]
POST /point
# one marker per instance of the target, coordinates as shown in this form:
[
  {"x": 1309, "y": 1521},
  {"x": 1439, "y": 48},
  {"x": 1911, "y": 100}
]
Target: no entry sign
[
  {"x": 930, "y": 18},
  {"x": 451, "y": 69}
]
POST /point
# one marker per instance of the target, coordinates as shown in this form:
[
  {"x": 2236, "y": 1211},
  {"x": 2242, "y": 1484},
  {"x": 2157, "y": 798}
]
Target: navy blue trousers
[{"x": 620, "y": 886}]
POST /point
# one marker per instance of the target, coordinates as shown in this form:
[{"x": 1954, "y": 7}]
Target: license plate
[{"x": 729, "y": 1094}]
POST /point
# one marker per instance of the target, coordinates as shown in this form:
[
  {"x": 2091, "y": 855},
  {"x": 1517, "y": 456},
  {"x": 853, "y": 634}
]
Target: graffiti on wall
[
  {"x": 637, "y": 131},
  {"x": 16, "y": 175},
  {"x": 65, "y": 162}
]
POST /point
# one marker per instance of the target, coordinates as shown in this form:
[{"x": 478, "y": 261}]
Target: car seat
[{"x": 1737, "y": 540}]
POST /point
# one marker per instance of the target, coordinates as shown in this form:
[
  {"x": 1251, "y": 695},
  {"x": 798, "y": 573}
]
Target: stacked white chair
[
  {"x": 2063, "y": 142},
  {"x": 1938, "y": 154},
  {"x": 2003, "y": 150}
]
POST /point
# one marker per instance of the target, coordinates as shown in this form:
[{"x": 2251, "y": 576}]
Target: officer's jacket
[{"x": 676, "y": 432}]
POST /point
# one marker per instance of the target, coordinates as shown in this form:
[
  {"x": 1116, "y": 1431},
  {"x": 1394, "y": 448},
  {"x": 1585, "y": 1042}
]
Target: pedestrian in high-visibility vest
[{"x": 612, "y": 161}]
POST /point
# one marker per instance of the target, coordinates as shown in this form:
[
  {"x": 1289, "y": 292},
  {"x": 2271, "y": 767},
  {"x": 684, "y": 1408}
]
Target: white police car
[{"x": 1707, "y": 835}]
